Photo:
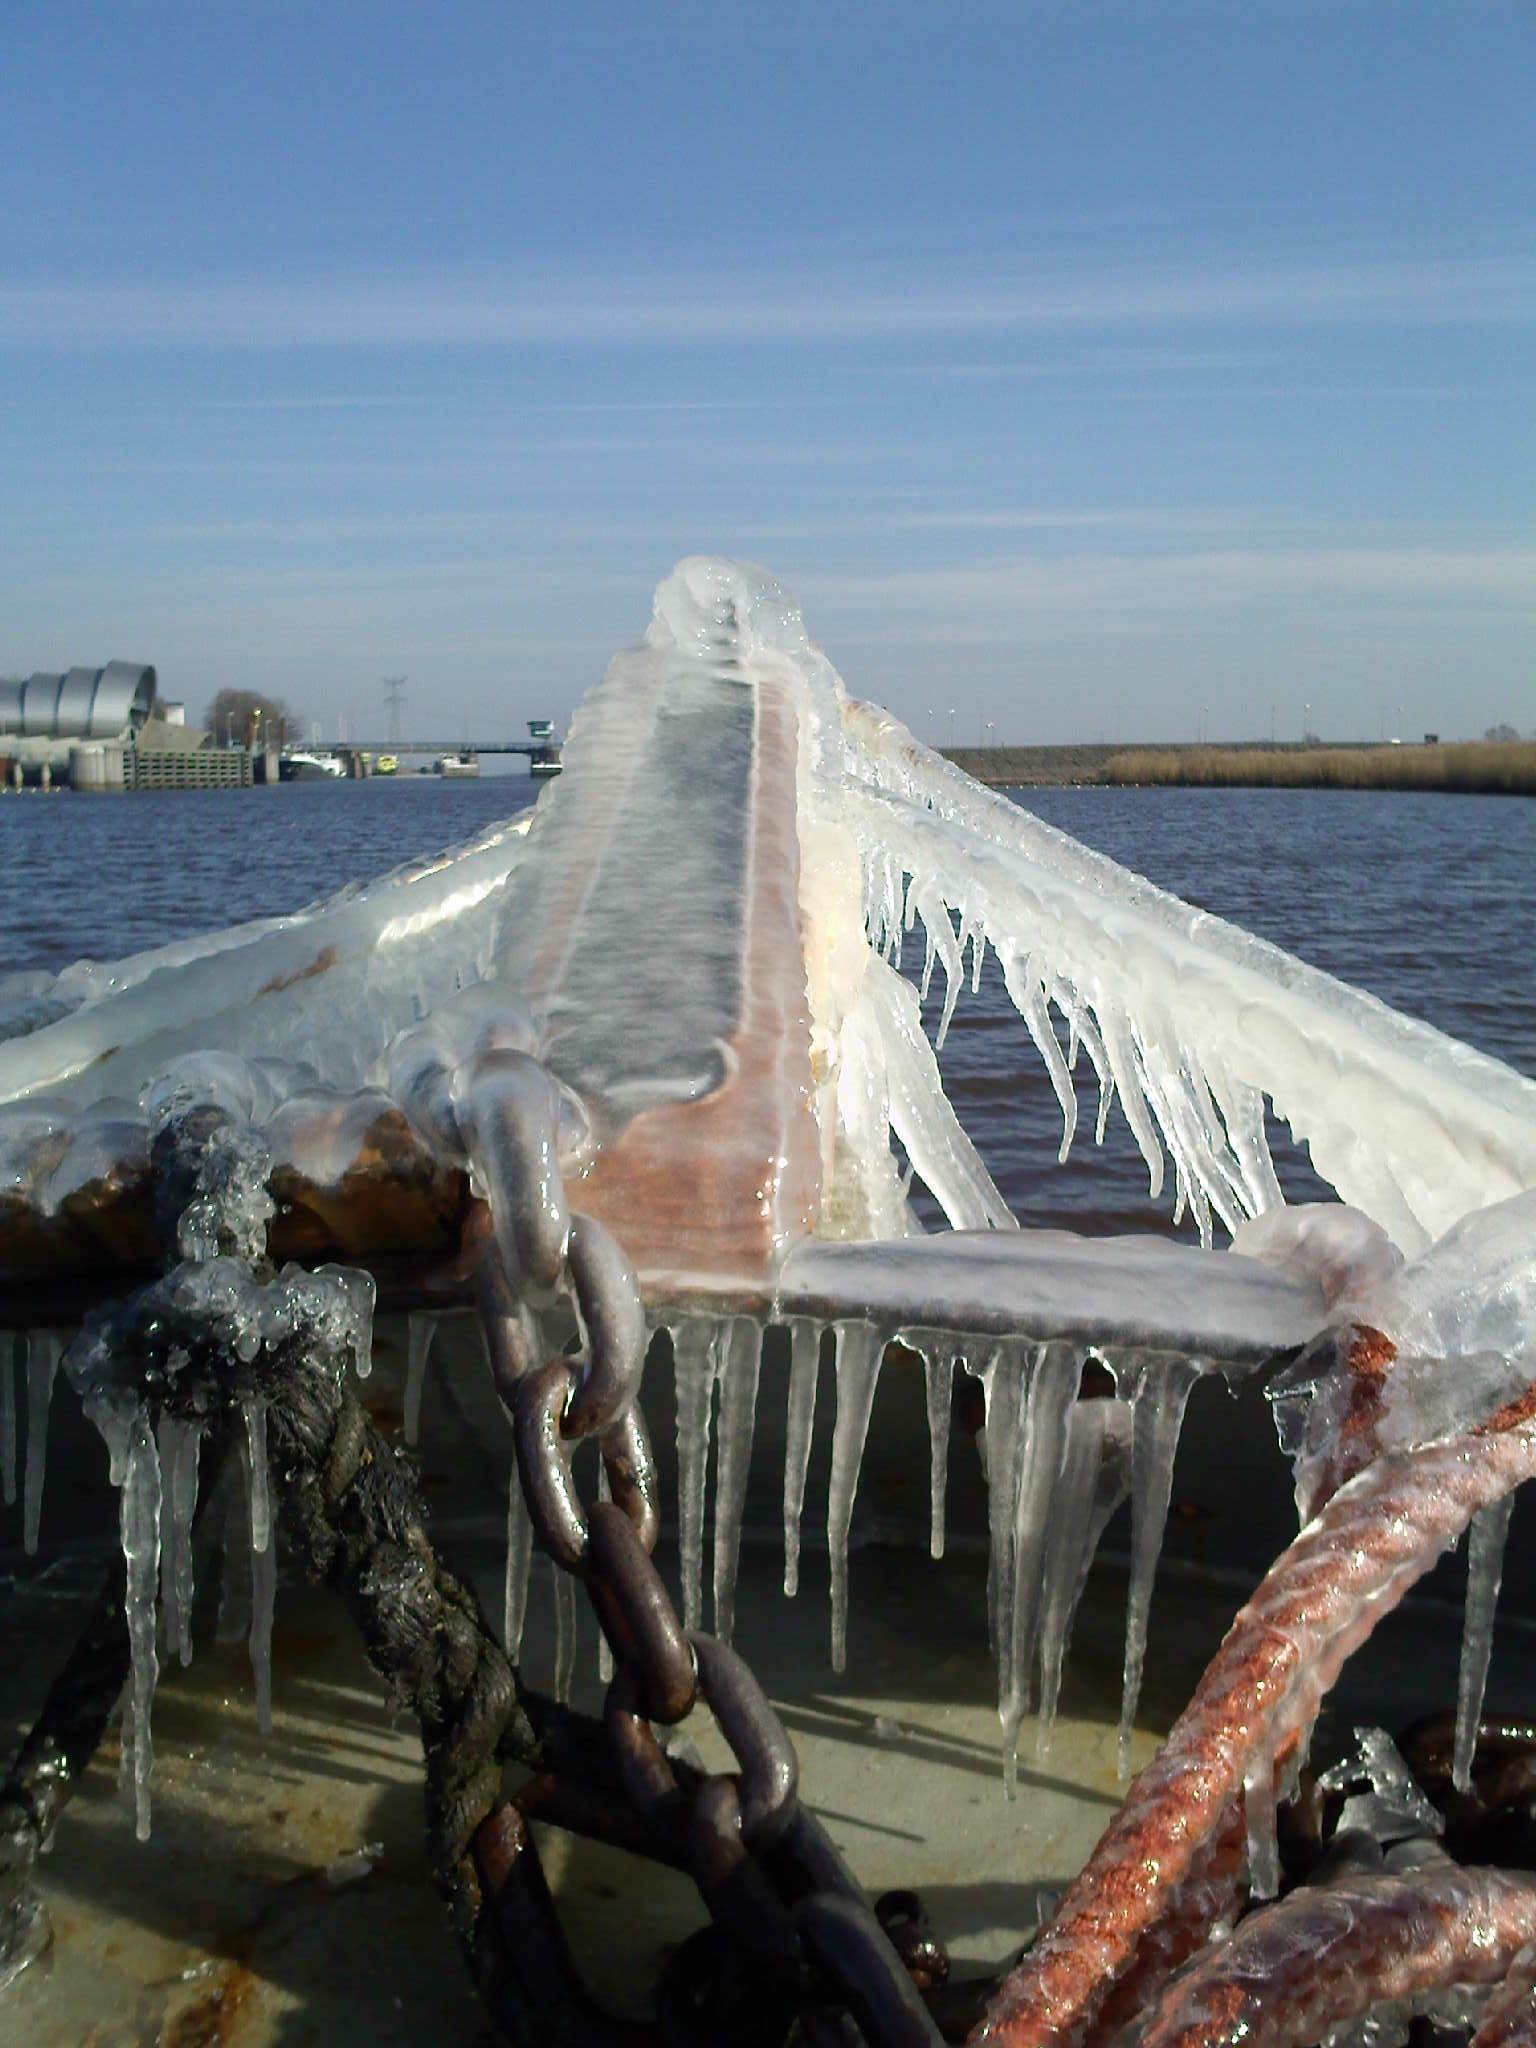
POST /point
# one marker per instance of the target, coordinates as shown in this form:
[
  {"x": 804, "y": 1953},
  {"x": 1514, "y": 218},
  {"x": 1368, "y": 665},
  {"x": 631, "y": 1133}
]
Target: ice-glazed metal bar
[{"x": 1121, "y": 1293}]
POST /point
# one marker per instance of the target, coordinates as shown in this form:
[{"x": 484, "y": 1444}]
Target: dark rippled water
[{"x": 1424, "y": 900}]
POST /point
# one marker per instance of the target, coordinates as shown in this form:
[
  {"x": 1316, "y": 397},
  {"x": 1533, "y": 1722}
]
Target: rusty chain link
[{"x": 796, "y": 1947}]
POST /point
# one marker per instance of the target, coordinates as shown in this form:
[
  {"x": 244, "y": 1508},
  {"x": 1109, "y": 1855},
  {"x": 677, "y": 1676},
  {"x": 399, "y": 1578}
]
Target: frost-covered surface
[{"x": 669, "y": 1000}]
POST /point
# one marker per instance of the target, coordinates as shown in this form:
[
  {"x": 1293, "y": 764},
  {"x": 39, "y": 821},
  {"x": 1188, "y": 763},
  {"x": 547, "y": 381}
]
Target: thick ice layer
[
  {"x": 1195, "y": 1019},
  {"x": 1339, "y": 1248},
  {"x": 1435, "y": 1347},
  {"x": 329, "y": 986},
  {"x": 1119, "y": 1293},
  {"x": 656, "y": 931}
]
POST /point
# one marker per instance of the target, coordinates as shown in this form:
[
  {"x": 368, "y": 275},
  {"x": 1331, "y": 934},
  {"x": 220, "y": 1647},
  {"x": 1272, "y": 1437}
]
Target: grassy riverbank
[{"x": 1506, "y": 768}]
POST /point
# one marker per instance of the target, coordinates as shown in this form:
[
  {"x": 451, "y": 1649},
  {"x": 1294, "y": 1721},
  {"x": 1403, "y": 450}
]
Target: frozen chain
[{"x": 794, "y": 1920}]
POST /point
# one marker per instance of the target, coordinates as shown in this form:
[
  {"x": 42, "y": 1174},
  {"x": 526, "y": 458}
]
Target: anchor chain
[{"x": 795, "y": 1942}]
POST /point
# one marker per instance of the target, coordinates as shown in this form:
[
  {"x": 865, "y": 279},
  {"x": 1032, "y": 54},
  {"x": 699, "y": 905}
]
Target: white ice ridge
[
  {"x": 1188, "y": 1020},
  {"x": 328, "y": 986}
]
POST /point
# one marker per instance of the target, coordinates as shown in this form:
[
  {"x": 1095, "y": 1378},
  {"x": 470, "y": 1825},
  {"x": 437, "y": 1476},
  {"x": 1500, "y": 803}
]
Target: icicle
[
  {"x": 126, "y": 1796},
  {"x": 604, "y": 1653},
  {"x": 565, "y": 1633},
  {"x": 695, "y": 1368},
  {"x": 263, "y": 1558},
  {"x": 1056, "y": 1370},
  {"x": 419, "y": 1333},
  {"x": 1069, "y": 1552},
  {"x": 804, "y": 1359},
  {"x": 1002, "y": 1387},
  {"x": 234, "y": 1617},
  {"x": 1161, "y": 1392},
  {"x": 1485, "y": 1569},
  {"x": 519, "y": 1559},
  {"x": 939, "y": 1384},
  {"x": 859, "y": 1350},
  {"x": 254, "y": 1411},
  {"x": 139, "y": 1522},
  {"x": 263, "y": 1606},
  {"x": 1026, "y": 991},
  {"x": 42, "y": 1369},
  {"x": 740, "y": 1365},
  {"x": 1120, "y": 1052},
  {"x": 179, "y": 1443},
  {"x": 8, "y": 1372},
  {"x": 1259, "y": 1813}
]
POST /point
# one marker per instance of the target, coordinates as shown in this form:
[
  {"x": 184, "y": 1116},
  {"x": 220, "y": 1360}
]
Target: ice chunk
[
  {"x": 1385, "y": 1799},
  {"x": 1338, "y": 1247}
]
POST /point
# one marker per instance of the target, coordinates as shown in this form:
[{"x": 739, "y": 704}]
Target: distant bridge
[{"x": 546, "y": 746}]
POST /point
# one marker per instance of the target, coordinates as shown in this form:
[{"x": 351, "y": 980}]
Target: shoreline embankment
[{"x": 1474, "y": 767}]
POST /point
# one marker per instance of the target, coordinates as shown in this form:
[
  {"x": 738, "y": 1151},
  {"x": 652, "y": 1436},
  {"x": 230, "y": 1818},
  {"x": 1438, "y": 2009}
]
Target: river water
[{"x": 1425, "y": 900}]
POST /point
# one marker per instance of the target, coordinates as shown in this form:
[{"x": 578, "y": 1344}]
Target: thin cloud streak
[{"x": 441, "y": 309}]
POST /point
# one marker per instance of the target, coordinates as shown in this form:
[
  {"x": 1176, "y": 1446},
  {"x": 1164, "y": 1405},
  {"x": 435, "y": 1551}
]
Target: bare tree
[{"x": 242, "y": 718}]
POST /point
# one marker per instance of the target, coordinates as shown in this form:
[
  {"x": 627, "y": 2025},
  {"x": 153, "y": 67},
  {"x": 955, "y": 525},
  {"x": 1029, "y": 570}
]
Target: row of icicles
[{"x": 1057, "y": 1467}]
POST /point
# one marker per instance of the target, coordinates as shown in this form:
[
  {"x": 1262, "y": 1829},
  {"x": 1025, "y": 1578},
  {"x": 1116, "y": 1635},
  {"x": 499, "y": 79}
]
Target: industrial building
[{"x": 95, "y": 728}]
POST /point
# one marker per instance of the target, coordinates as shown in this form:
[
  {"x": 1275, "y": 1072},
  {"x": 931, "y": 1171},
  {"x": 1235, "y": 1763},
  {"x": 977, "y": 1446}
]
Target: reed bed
[{"x": 1484, "y": 767}]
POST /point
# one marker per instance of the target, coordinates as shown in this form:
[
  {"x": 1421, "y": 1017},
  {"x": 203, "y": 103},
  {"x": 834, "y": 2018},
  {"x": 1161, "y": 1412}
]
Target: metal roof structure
[{"x": 85, "y": 704}]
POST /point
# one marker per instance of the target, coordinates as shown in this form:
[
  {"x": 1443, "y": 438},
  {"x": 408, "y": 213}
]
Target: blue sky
[{"x": 1097, "y": 370}]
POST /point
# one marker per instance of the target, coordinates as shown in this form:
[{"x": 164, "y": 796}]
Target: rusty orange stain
[{"x": 322, "y": 961}]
